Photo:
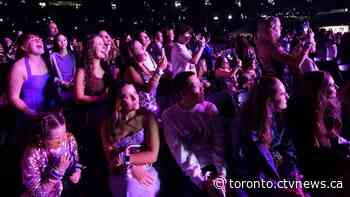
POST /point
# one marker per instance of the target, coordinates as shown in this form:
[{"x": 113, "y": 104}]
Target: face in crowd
[
  {"x": 53, "y": 29},
  {"x": 105, "y": 37},
  {"x": 62, "y": 42},
  {"x": 99, "y": 48},
  {"x": 33, "y": 45},
  {"x": 138, "y": 51},
  {"x": 144, "y": 39},
  {"x": 281, "y": 96},
  {"x": 129, "y": 98},
  {"x": 195, "y": 90},
  {"x": 159, "y": 36}
]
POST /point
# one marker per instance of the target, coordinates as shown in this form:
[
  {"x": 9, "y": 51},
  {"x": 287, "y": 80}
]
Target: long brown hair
[
  {"x": 257, "y": 113},
  {"x": 323, "y": 111}
]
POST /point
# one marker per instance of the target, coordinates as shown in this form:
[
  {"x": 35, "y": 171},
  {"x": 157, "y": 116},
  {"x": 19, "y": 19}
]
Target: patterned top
[
  {"x": 136, "y": 138},
  {"x": 148, "y": 100},
  {"x": 38, "y": 163}
]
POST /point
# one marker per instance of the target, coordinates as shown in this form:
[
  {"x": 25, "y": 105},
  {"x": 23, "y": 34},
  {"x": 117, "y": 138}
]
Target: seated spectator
[
  {"x": 323, "y": 152},
  {"x": 265, "y": 150},
  {"x": 52, "y": 161},
  {"x": 195, "y": 139},
  {"x": 131, "y": 143}
]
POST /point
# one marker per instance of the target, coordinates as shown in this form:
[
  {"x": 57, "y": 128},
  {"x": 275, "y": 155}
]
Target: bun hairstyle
[{"x": 50, "y": 121}]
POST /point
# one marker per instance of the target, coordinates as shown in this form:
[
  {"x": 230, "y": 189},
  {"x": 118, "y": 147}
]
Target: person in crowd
[
  {"x": 130, "y": 139},
  {"x": 323, "y": 152},
  {"x": 344, "y": 48},
  {"x": 91, "y": 90},
  {"x": 52, "y": 32},
  {"x": 308, "y": 65},
  {"x": 169, "y": 36},
  {"x": 224, "y": 72},
  {"x": 262, "y": 143},
  {"x": 275, "y": 61},
  {"x": 52, "y": 160},
  {"x": 194, "y": 136},
  {"x": 345, "y": 104},
  {"x": 182, "y": 58},
  {"x": 202, "y": 73},
  {"x": 331, "y": 46},
  {"x": 149, "y": 62},
  {"x": 77, "y": 47},
  {"x": 110, "y": 47},
  {"x": 29, "y": 85},
  {"x": 145, "y": 80},
  {"x": 156, "y": 47},
  {"x": 64, "y": 65}
]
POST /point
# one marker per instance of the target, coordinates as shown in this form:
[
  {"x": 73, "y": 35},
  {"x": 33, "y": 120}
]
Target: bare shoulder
[
  {"x": 19, "y": 67},
  {"x": 147, "y": 115}
]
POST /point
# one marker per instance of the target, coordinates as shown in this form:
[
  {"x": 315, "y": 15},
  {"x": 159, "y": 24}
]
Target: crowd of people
[{"x": 171, "y": 113}]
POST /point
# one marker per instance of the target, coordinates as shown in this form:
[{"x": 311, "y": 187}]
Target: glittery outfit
[{"x": 38, "y": 165}]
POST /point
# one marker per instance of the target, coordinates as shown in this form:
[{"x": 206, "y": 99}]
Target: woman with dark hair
[
  {"x": 145, "y": 80},
  {"x": 130, "y": 139},
  {"x": 64, "y": 65},
  {"x": 266, "y": 151},
  {"x": 323, "y": 153},
  {"x": 224, "y": 72},
  {"x": 52, "y": 160}
]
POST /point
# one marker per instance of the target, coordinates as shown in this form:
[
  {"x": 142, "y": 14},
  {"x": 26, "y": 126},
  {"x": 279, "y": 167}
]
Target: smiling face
[
  {"x": 139, "y": 52},
  {"x": 62, "y": 42},
  {"x": 34, "y": 45},
  {"x": 100, "y": 51},
  {"x": 105, "y": 37}
]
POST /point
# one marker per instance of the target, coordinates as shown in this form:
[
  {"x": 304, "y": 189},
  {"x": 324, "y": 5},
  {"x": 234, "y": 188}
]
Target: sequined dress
[{"x": 37, "y": 166}]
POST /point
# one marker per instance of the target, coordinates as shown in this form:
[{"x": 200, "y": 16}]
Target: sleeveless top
[
  {"x": 33, "y": 89},
  {"x": 94, "y": 86}
]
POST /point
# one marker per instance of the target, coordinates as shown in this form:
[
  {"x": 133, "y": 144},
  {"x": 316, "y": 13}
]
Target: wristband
[
  {"x": 56, "y": 175},
  {"x": 159, "y": 72},
  {"x": 127, "y": 160}
]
